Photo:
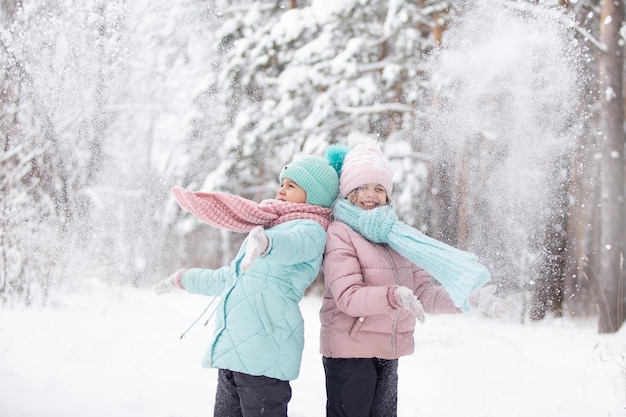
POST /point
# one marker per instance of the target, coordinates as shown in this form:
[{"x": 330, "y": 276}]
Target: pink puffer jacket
[{"x": 359, "y": 317}]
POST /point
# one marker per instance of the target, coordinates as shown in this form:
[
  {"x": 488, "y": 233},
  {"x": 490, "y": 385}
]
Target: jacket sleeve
[
  {"x": 303, "y": 242},
  {"x": 433, "y": 296},
  {"x": 343, "y": 277},
  {"x": 206, "y": 281}
]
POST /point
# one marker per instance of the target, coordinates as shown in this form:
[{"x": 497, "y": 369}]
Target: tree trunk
[
  {"x": 611, "y": 281},
  {"x": 548, "y": 292},
  {"x": 580, "y": 277}
]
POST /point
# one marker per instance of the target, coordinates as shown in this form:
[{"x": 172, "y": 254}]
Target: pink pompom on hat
[{"x": 365, "y": 164}]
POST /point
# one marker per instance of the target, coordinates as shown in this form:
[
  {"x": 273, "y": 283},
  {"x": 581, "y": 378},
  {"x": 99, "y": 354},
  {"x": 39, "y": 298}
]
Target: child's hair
[{"x": 316, "y": 176}]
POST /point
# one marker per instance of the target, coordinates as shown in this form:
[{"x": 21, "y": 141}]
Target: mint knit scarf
[
  {"x": 459, "y": 272},
  {"x": 238, "y": 214}
]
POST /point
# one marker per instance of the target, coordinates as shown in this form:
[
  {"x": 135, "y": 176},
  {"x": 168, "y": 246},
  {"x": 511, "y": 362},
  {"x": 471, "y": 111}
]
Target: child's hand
[
  {"x": 485, "y": 300},
  {"x": 257, "y": 245},
  {"x": 171, "y": 283},
  {"x": 407, "y": 300}
]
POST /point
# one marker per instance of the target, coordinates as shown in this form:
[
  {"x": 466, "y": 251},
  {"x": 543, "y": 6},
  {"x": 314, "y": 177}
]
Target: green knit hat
[{"x": 316, "y": 176}]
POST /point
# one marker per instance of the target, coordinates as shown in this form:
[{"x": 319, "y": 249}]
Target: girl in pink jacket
[{"x": 373, "y": 296}]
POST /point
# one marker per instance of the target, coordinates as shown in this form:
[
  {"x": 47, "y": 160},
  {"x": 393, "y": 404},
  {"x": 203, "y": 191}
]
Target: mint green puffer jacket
[{"x": 259, "y": 329}]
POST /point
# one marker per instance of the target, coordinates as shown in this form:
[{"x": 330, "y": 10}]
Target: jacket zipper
[{"x": 397, "y": 314}]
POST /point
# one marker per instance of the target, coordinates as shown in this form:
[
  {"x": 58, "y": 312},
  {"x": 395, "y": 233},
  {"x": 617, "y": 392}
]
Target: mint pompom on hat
[{"x": 316, "y": 176}]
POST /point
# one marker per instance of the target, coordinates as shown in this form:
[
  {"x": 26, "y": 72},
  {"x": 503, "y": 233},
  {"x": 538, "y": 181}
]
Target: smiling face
[
  {"x": 369, "y": 196},
  {"x": 291, "y": 192}
]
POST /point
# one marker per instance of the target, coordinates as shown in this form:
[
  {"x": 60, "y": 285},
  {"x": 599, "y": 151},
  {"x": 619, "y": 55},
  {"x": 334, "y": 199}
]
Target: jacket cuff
[
  {"x": 391, "y": 296},
  {"x": 179, "y": 277}
]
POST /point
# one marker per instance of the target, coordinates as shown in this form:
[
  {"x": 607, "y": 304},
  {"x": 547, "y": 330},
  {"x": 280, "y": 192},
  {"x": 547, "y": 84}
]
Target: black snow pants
[
  {"x": 361, "y": 387},
  {"x": 243, "y": 395}
]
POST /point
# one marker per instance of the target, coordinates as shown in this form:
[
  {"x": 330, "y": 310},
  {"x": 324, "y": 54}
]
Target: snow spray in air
[{"x": 502, "y": 120}]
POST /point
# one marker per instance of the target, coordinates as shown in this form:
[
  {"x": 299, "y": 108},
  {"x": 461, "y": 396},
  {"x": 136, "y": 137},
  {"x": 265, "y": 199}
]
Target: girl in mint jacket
[
  {"x": 259, "y": 331},
  {"x": 258, "y": 326}
]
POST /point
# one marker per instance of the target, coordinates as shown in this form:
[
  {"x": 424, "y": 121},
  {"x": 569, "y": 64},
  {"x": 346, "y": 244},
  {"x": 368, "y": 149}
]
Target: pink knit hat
[{"x": 365, "y": 164}]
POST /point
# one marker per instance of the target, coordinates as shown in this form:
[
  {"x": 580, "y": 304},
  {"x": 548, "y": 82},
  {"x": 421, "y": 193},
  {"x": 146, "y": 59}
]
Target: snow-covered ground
[{"x": 114, "y": 352}]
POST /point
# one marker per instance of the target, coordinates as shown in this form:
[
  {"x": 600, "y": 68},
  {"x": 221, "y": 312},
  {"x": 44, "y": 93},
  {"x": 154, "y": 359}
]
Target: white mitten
[
  {"x": 257, "y": 245},
  {"x": 171, "y": 283},
  {"x": 407, "y": 300},
  {"x": 484, "y": 299}
]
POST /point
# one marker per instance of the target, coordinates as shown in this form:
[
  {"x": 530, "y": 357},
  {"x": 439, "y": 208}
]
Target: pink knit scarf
[{"x": 238, "y": 214}]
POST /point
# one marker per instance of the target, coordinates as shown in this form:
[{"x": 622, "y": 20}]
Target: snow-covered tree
[
  {"x": 104, "y": 96},
  {"x": 41, "y": 155},
  {"x": 297, "y": 79},
  {"x": 156, "y": 78}
]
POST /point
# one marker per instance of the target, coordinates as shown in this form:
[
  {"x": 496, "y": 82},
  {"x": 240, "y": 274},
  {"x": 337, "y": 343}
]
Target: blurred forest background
[{"x": 503, "y": 121}]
